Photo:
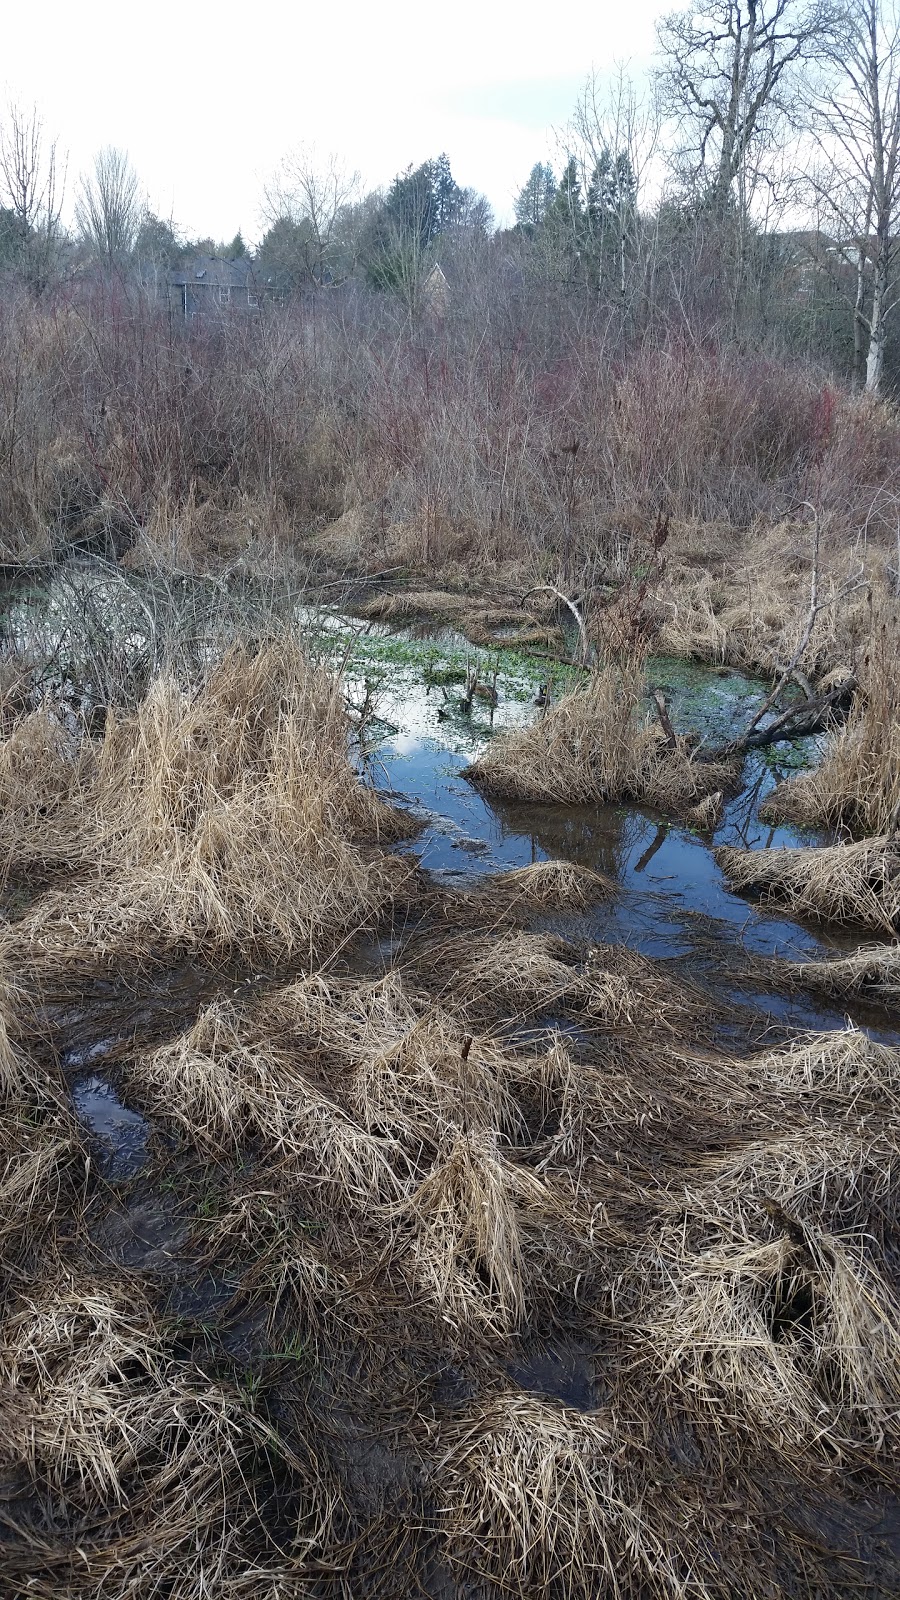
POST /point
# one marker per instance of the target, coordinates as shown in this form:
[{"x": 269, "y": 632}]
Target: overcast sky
[{"x": 206, "y": 97}]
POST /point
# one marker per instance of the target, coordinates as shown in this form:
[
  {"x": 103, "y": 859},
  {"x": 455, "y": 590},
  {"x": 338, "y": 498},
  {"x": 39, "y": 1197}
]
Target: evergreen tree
[
  {"x": 448, "y": 197},
  {"x": 411, "y": 206},
  {"x": 421, "y": 204},
  {"x": 611, "y": 190},
  {"x": 609, "y": 216},
  {"x": 567, "y": 210},
  {"x": 157, "y": 243},
  {"x": 10, "y": 237},
  {"x": 283, "y": 254},
  {"x": 536, "y": 197}
]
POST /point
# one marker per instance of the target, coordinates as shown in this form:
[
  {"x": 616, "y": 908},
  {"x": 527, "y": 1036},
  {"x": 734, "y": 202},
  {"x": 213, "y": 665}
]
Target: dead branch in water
[
  {"x": 665, "y": 720},
  {"x": 549, "y": 588},
  {"x": 806, "y": 717},
  {"x": 750, "y": 738}
]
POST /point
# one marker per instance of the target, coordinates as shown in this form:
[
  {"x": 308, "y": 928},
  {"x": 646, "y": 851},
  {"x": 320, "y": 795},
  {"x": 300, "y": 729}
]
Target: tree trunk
[
  {"x": 877, "y": 331},
  {"x": 859, "y": 322}
]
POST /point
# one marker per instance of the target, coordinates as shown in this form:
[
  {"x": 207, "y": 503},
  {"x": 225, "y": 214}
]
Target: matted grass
[
  {"x": 872, "y": 972},
  {"x": 144, "y": 1474},
  {"x": 524, "y": 892},
  {"x": 401, "y": 1183},
  {"x": 835, "y": 883}
]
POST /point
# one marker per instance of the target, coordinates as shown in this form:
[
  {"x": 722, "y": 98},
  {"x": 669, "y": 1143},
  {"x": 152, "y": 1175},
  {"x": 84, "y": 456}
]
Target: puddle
[
  {"x": 673, "y": 903},
  {"x": 866, "y": 1530},
  {"x": 564, "y": 1372},
  {"x": 546, "y": 1029},
  {"x": 120, "y": 1135},
  {"x": 148, "y": 1234},
  {"x": 203, "y": 1298}
]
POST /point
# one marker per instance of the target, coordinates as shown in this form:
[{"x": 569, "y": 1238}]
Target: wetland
[{"x": 409, "y": 1189}]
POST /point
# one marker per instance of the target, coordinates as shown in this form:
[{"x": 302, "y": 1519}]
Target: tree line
[{"x": 748, "y": 189}]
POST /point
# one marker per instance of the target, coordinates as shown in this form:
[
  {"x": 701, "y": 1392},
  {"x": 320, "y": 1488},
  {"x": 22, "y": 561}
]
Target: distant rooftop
[{"x": 214, "y": 272}]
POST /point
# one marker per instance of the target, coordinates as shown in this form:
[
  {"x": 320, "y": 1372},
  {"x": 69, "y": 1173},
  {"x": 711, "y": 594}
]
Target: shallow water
[
  {"x": 674, "y": 903},
  {"x": 120, "y": 1135},
  {"x": 416, "y": 735}
]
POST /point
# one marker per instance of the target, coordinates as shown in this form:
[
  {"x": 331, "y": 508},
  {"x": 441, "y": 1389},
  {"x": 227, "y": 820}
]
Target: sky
[{"x": 206, "y": 99}]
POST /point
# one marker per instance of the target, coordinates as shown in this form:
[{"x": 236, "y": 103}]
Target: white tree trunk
[{"x": 875, "y": 358}]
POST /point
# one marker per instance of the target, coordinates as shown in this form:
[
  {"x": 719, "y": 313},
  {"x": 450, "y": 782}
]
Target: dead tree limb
[
  {"x": 548, "y": 588},
  {"x": 816, "y": 605},
  {"x": 665, "y": 721},
  {"x": 799, "y": 720}
]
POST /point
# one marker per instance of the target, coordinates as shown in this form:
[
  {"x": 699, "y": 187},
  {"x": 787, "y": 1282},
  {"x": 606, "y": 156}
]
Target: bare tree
[
  {"x": 728, "y": 76},
  {"x": 312, "y": 191},
  {"x": 856, "y": 182},
  {"x": 614, "y": 135},
  {"x": 109, "y": 206},
  {"x": 31, "y": 189}
]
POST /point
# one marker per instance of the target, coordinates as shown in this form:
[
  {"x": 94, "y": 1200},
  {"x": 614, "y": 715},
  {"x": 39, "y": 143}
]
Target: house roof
[{"x": 213, "y": 272}]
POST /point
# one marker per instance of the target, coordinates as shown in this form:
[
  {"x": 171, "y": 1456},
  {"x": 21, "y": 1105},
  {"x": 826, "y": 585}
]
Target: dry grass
[
  {"x": 836, "y": 883},
  {"x": 143, "y": 1474},
  {"x": 775, "y": 1314},
  {"x": 706, "y": 814},
  {"x": 715, "y": 1229},
  {"x": 524, "y": 892},
  {"x": 411, "y": 1181},
  {"x": 741, "y": 599},
  {"x": 42, "y": 1159},
  {"x": 460, "y": 1237},
  {"x": 857, "y": 784},
  {"x": 872, "y": 972},
  {"x": 441, "y": 604},
  {"x": 227, "y": 819},
  {"x": 42, "y": 768},
  {"x": 529, "y": 1501},
  {"x": 222, "y": 1083},
  {"x": 506, "y": 973},
  {"x": 595, "y": 746}
]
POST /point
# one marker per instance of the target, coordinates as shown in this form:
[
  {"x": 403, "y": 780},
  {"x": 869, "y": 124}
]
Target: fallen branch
[
  {"x": 548, "y": 588},
  {"x": 665, "y": 721},
  {"x": 858, "y": 581},
  {"x": 797, "y": 722}
]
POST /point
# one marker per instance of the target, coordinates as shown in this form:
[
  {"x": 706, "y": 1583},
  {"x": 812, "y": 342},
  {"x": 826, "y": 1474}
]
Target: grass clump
[
  {"x": 525, "y": 892},
  {"x": 872, "y": 972},
  {"x": 834, "y": 883},
  {"x": 857, "y": 784},
  {"x": 597, "y": 745},
  {"x": 136, "y": 1473},
  {"x": 228, "y": 819}
]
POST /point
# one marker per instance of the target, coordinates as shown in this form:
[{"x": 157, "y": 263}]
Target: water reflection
[{"x": 674, "y": 903}]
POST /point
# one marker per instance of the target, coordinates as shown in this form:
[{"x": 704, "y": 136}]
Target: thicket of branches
[
  {"x": 520, "y": 421},
  {"x": 674, "y": 321}
]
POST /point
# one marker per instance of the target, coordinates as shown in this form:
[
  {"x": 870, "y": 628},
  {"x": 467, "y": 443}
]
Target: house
[{"x": 207, "y": 285}]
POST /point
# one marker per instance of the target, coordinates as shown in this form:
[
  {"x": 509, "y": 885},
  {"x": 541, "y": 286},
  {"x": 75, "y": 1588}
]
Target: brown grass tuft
[
  {"x": 460, "y": 1232},
  {"x": 515, "y": 896},
  {"x": 872, "y": 972},
  {"x": 230, "y": 819},
  {"x": 857, "y": 784},
  {"x": 836, "y": 883},
  {"x": 595, "y": 746}
]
